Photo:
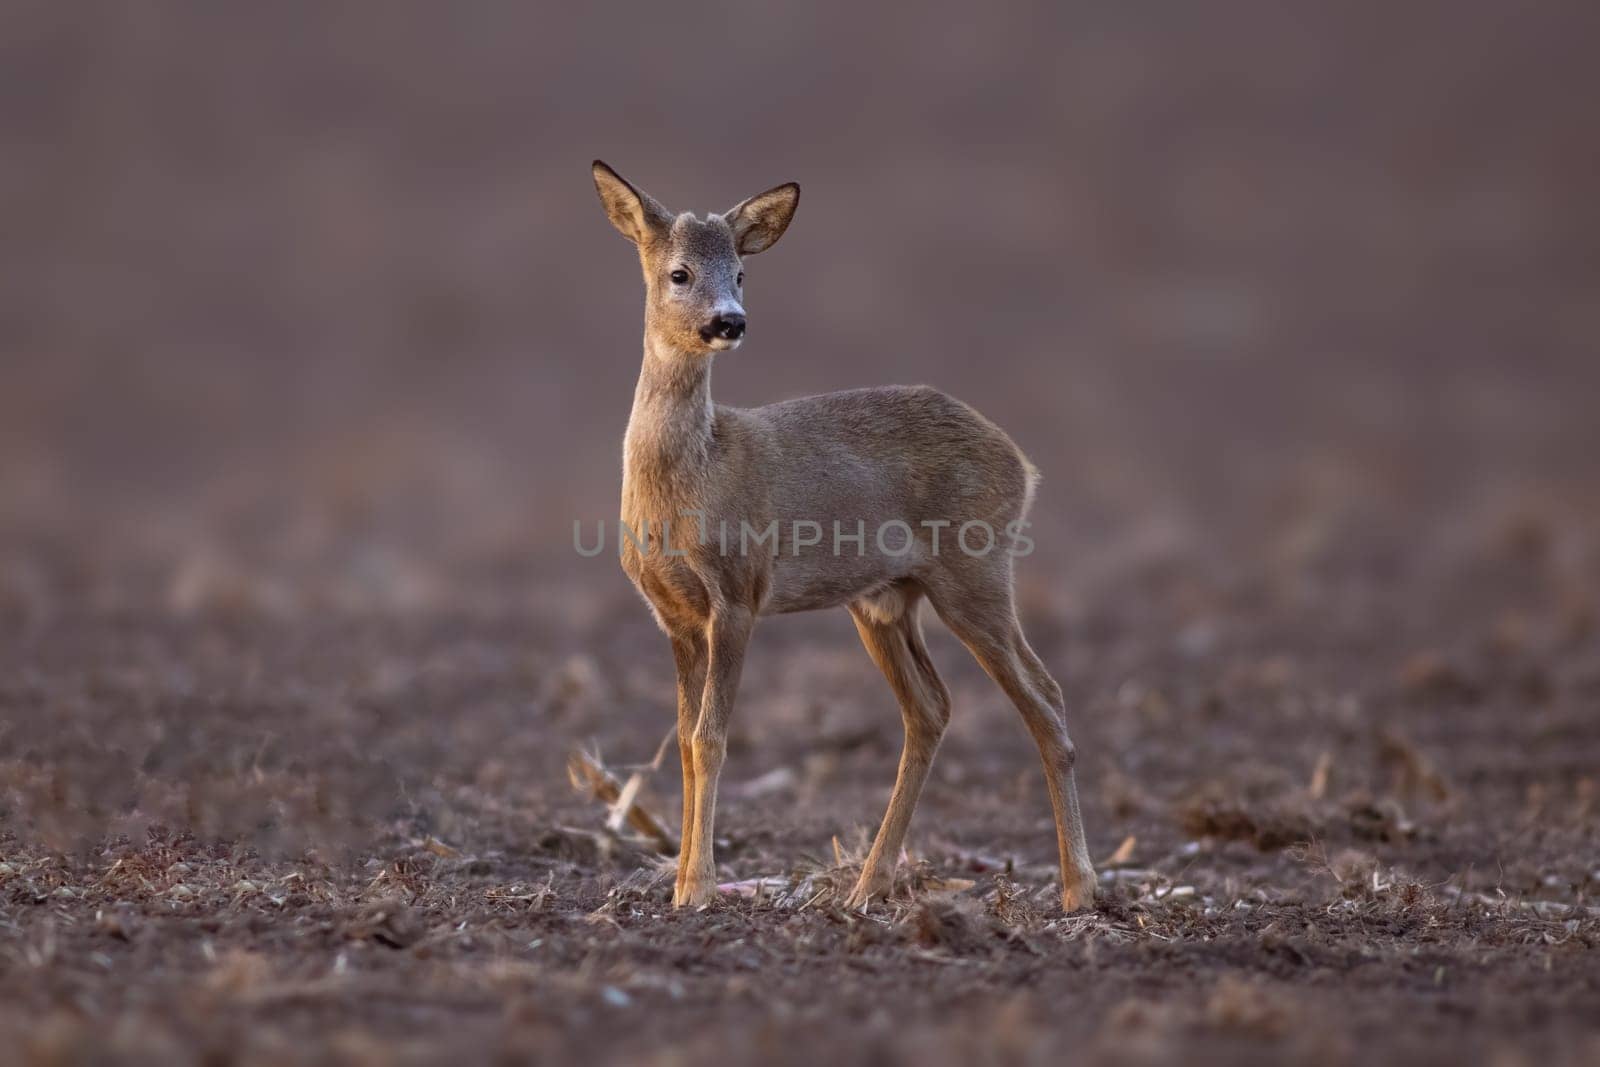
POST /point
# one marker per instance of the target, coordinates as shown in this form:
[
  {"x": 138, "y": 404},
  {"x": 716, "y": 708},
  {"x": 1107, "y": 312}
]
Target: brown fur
[{"x": 868, "y": 456}]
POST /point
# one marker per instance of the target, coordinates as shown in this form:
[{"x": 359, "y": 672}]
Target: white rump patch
[{"x": 883, "y": 606}]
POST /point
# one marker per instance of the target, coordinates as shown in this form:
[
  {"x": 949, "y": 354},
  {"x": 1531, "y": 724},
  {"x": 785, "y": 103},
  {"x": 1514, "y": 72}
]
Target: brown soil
[{"x": 1341, "y": 849}]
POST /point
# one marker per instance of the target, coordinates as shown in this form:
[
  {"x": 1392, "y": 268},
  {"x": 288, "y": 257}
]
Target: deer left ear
[{"x": 760, "y": 221}]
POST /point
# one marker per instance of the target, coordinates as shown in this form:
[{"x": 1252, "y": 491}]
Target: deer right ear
[{"x": 633, "y": 213}]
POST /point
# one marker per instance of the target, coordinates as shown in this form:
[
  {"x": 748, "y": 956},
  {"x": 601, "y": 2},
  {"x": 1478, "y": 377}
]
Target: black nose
[{"x": 727, "y": 327}]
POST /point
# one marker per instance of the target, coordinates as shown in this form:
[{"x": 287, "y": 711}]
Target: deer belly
[{"x": 813, "y": 581}]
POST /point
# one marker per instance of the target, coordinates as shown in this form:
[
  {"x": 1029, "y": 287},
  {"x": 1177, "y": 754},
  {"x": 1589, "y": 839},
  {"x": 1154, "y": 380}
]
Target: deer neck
[{"x": 668, "y": 443}]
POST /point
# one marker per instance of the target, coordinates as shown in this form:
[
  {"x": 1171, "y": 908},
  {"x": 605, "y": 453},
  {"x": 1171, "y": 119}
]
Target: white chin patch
[{"x": 722, "y": 344}]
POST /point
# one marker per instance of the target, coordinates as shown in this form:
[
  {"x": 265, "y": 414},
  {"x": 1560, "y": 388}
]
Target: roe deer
[{"x": 908, "y": 459}]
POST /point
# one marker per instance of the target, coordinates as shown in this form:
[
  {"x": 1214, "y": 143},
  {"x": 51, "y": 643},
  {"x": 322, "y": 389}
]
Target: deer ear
[
  {"x": 760, "y": 221},
  {"x": 635, "y": 214}
]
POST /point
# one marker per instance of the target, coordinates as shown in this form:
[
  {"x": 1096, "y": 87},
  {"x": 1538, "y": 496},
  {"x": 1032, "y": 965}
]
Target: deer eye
[
  {"x": 740, "y": 280},
  {"x": 679, "y": 277}
]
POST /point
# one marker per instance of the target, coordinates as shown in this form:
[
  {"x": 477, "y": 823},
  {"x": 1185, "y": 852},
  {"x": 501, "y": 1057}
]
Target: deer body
[{"x": 854, "y": 498}]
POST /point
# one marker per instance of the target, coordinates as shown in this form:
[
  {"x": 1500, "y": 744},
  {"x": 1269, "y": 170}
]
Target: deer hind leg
[
  {"x": 689, "y": 654},
  {"x": 891, "y": 630},
  {"x": 986, "y": 622}
]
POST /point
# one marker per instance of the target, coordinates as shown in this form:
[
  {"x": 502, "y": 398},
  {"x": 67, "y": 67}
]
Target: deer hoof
[
  {"x": 694, "y": 893},
  {"x": 867, "y": 890},
  {"x": 1078, "y": 896}
]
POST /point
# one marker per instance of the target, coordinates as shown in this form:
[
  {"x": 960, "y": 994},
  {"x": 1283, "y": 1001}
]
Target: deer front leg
[
  {"x": 726, "y": 636},
  {"x": 689, "y": 654}
]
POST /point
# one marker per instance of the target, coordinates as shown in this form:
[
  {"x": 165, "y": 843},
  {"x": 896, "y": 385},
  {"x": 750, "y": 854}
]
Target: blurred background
[
  {"x": 315, "y": 341},
  {"x": 321, "y": 293}
]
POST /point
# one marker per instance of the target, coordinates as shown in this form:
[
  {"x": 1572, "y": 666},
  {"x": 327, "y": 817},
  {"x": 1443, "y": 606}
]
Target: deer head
[{"x": 694, "y": 268}]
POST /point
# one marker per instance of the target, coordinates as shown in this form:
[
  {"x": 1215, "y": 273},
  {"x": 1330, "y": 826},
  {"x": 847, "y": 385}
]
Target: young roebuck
[{"x": 699, "y": 480}]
